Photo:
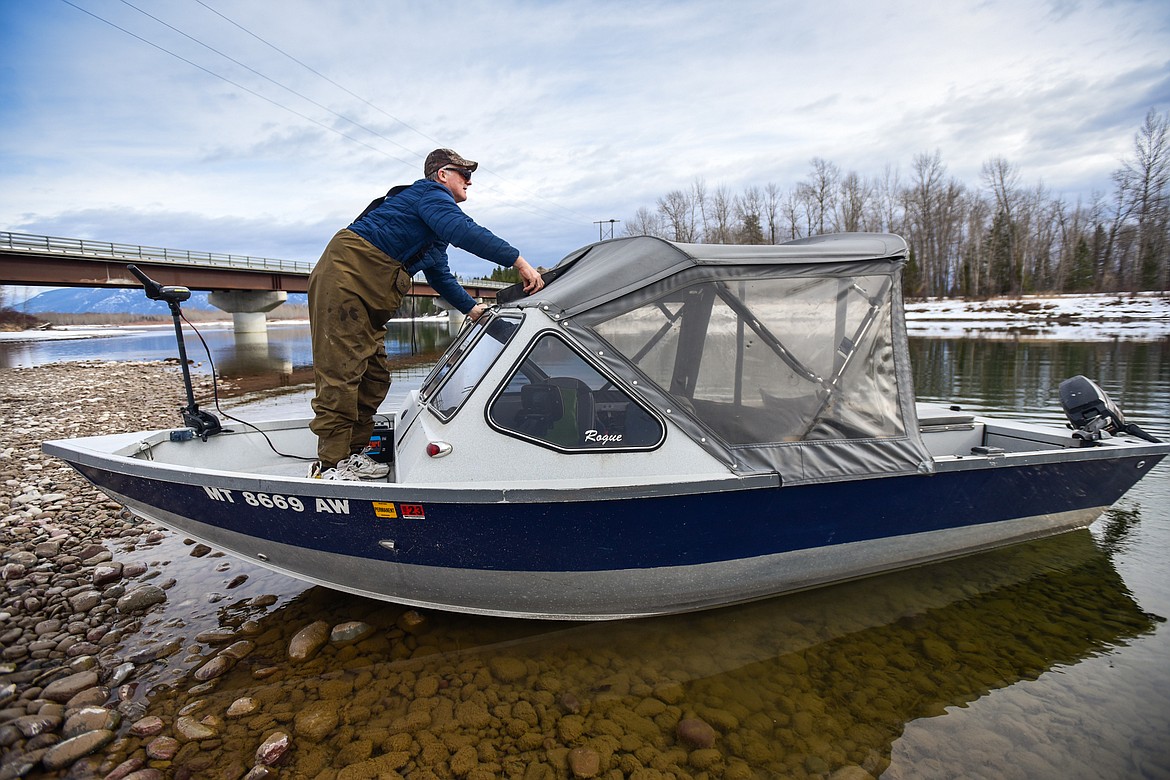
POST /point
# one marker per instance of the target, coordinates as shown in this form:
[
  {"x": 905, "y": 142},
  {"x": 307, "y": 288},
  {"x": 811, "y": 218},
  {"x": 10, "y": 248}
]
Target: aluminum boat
[{"x": 663, "y": 428}]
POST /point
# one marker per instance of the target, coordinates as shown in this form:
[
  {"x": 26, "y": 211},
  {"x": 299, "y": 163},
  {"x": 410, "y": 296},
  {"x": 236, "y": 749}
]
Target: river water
[{"x": 1045, "y": 660}]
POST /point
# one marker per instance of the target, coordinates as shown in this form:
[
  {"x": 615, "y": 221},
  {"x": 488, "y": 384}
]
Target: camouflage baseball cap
[{"x": 441, "y": 158}]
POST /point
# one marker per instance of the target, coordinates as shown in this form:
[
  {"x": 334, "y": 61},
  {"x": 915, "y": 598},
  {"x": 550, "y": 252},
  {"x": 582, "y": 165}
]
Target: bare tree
[
  {"x": 791, "y": 212},
  {"x": 932, "y": 225},
  {"x": 748, "y": 208},
  {"x": 819, "y": 192},
  {"x": 888, "y": 197},
  {"x": 772, "y": 212},
  {"x": 645, "y": 223},
  {"x": 720, "y": 217},
  {"x": 1002, "y": 181},
  {"x": 680, "y": 211},
  {"x": 1143, "y": 184},
  {"x": 699, "y": 188},
  {"x": 854, "y": 203}
]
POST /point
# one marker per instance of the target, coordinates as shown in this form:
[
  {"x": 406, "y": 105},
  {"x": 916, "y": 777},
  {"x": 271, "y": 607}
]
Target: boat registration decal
[
  {"x": 413, "y": 510},
  {"x": 384, "y": 509},
  {"x": 266, "y": 500}
]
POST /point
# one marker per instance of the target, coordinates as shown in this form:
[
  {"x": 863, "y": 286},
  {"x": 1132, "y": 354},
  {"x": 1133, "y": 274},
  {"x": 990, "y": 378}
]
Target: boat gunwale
[{"x": 75, "y": 452}]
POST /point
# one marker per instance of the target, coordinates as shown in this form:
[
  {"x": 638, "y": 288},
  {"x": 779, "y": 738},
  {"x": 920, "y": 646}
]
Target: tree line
[{"x": 998, "y": 237}]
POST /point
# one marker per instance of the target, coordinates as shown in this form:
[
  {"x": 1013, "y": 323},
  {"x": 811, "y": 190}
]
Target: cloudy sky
[{"x": 261, "y": 127}]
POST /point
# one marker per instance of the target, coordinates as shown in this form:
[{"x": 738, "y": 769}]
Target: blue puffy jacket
[{"x": 416, "y": 226}]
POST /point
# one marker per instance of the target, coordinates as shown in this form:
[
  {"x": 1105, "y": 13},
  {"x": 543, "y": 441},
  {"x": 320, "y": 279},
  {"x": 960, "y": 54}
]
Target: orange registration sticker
[
  {"x": 415, "y": 511},
  {"x": 384, "y": 509}
]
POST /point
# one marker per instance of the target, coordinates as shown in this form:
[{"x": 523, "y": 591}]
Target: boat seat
[
  {"x": 932, "y": 417},
  {"x": 558, "y": 411}
]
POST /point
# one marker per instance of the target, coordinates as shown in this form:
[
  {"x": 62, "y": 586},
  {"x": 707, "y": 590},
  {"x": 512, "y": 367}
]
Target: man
[{"x": 358, "y": 284}]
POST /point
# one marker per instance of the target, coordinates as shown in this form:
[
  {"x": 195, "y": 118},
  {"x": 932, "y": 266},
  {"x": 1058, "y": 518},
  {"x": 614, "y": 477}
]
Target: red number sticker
[{"x": 412, "y": 510}]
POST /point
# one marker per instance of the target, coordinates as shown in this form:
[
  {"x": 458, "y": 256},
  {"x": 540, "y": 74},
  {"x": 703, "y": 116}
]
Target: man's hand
[
  {"x": 529, "y": 275},
  {"x": 477, "y": 311}
]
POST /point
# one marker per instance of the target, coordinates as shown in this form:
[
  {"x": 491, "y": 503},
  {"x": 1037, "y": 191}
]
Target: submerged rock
[
  {"x": 65, "y": 753},
  {"x": 347, "y": 633},
  {"x": 584, "y": 762},
  {"x": 273, "y": 748},
  {"x": 695, "y": 733},
  {"x": 142, "y": 597},
  {"x": 308, "y": 641}
]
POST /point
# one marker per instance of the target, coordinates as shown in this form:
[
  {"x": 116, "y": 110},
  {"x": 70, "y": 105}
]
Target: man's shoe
[
  {"x": 365, "y": 467},
  {"x": 342, "y": 472}
]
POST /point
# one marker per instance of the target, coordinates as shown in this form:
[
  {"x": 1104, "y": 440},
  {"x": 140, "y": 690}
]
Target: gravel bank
[{"x": 68, "y": 603}]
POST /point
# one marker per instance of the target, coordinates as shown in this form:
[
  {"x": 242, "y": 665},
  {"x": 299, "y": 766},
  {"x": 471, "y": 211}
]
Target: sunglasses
[{"x": 466, "y": 174}]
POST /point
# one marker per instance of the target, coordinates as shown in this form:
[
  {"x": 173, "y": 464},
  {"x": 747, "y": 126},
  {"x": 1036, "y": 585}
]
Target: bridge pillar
[
  {"x": 247, "y": 307},
  {"x": 455, "y": 319}
]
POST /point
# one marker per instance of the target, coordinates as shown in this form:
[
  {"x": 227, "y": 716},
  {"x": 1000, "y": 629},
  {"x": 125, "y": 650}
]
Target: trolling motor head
[
  {"x": 203, "y": 423},
  {"x": 1092, "y": 414},
  {"x": 172, "y": 294}
]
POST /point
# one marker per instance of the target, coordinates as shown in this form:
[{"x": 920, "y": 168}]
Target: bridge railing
[{"x": 105, "y": 250}]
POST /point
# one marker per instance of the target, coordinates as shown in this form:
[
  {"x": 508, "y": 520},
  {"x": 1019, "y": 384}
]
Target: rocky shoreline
[
  {"x": 68, "y": 603},
  {"x": 84, "y": 686}
]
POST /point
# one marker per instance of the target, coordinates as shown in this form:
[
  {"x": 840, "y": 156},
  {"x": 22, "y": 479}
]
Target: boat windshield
[
  {"x": 465, "y": 362},
  {"x": 803, "y": 354},
  {"x": 556, "y": 398}
]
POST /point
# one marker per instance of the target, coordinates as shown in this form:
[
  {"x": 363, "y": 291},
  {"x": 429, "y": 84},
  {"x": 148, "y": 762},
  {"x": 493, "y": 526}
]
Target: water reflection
[
  {"x": 796, "y": 686},
  {"x": 1022, "y": 377},
  {"x": 283, "y": 351}
]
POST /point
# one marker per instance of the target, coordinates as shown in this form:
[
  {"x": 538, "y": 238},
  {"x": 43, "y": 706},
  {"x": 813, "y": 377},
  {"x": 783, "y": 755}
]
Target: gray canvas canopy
[{"x": 787, "y": 358}]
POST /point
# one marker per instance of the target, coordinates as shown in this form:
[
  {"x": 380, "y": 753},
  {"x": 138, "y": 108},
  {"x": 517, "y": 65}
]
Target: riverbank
[
  {"x": 66, "y": 677},
  {"x": 1104, "y": 316}
]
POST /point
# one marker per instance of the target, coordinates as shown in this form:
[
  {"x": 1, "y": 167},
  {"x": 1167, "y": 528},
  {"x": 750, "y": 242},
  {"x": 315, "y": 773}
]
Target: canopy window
[{"x": 759, "y": 357}]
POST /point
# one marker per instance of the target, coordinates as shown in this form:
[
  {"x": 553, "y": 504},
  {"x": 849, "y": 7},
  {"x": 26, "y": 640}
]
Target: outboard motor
[{"x": 1092, "y": 414}]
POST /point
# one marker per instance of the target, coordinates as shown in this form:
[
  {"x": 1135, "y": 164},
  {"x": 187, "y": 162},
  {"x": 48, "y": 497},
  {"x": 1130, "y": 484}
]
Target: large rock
[
  {"x": 105, "y": 573},
  {"x": 191, "y": 730},
  {"x": 272, "y": 749},
  {"x": 347, "y": 633},
  {"x": 142, "y": 597},
  {"x": 85, "y": 601},
  {"x": 92, "y": 719},
  {"x": 66, "y": 688},
  {"x": 65, "y": 753},
  {"x": 308, "y": 641},
  {"x": 316, "y": 721},
  {"x": 695, "y": 733}
]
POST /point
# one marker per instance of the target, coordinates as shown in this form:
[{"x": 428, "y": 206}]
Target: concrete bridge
[{"x": 245, "y": 286}]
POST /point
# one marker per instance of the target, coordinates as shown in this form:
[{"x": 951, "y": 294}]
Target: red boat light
[{"x": 437, "y": 449}]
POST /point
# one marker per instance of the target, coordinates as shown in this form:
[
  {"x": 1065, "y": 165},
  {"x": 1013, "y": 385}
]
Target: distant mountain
[{"x": 86, "y": 300}]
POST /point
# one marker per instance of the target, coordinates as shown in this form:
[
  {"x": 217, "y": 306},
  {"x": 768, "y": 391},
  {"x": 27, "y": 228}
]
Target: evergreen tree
[
  {"x": 750, "y": 231},
  {"x": 501, "y": 274},
  {"x": 999, "y": 250},
  {"x": 1080, "y": 276}
]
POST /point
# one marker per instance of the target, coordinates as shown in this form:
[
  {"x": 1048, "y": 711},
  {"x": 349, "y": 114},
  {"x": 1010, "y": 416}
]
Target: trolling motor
[
  {"x": 1092, "y": 414},
  {"x": 203, "y": 423}
]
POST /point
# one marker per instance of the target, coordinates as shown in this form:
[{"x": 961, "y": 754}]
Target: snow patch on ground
[{"x": 1138, "y": 316}]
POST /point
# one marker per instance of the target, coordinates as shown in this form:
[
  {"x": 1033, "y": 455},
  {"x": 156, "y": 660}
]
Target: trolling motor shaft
[{"x": 203, "y": 423}]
